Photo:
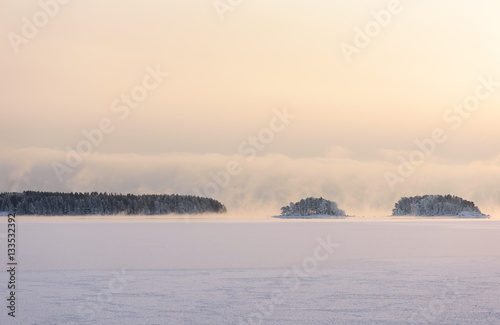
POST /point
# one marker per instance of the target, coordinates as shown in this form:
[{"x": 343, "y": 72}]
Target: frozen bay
[{"x": 270, "y": 271}]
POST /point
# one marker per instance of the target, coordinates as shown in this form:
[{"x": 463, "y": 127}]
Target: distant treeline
[
  {"x": 312, "y": 206},
  {"x": 434, "y": 205},
  {"x": 58, "y": 204}
]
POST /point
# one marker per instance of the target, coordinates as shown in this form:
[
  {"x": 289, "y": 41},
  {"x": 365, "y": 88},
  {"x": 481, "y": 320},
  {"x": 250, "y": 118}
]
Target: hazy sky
[{"x": 230, "y": 68}]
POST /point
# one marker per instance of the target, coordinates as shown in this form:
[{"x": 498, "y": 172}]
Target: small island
[
  {"x": 312, "y": 208},
  {"x": 437, "y": 205},
  {"x": 78, "y": 204}
]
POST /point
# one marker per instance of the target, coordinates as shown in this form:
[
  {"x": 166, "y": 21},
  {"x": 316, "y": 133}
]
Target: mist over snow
[{"x": 263, "y": 184}]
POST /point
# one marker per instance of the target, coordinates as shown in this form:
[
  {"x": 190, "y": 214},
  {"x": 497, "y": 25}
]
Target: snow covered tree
[
  {"x": 435, "y": 205},
  {"x": 312, "y": 206},
  {"x": 50, "y": 203}
]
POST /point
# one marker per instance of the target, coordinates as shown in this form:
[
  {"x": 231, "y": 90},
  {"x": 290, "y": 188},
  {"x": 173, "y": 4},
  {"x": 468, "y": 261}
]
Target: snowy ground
[{"x": 165, "y": 271}]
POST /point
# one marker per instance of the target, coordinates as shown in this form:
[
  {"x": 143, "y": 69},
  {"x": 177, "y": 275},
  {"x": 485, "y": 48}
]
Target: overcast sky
[{"x": 207, "y": 75}]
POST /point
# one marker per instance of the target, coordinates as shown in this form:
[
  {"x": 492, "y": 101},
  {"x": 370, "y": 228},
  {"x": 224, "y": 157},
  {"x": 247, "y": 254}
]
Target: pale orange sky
[{"x": 352, "y": 121}]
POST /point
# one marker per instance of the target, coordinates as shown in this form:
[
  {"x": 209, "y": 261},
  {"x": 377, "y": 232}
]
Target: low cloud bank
[{"x": 258, "y": 187}]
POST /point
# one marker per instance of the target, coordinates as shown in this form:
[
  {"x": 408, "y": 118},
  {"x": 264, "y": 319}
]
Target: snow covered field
[{"x": 271, "y": 271}]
